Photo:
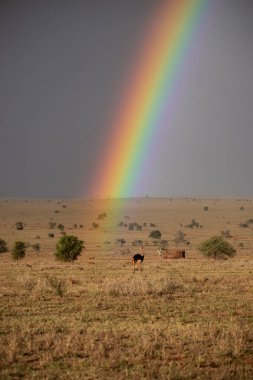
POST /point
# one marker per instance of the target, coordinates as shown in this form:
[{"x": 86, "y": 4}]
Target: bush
[
  {"x": 180, "y": 237},
  {"x": 226, "y": 234},
  {"x": 36, "y": 247},
  {"x": 18, "y": 251},
  {"x": 50, "y": 235},
  {"x": 120, "y": 242},
  {"x": 216, "y": 247},
  {"x": 95, "y": 225},
  {"x": 102, "y": 216},
  {"x": 68, "y": 248},
  {"x": 19, "y": 225},
  {"x": 243, "y": 225},
  {"x": 193, "y": 224},
  {"x": 164, "y": 243},
  {"x": 137, "y": 242},
  {"x": 156, "y": 234},
  {"x": 60, "y": 227},
  {"x": 3, "y": 246}
]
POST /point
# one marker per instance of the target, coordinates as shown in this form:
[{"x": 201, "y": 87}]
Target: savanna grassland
[{"x": 95, "y": 319}]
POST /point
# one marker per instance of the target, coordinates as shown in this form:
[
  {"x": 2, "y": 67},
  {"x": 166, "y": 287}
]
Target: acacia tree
[{"x": 217, "y": 248}]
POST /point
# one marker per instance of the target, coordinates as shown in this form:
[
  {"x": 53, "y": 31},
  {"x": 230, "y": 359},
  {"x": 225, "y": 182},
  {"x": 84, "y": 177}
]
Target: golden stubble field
[{"x": 95, "y": 319}]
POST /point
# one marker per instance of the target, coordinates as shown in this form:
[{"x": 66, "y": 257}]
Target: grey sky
[{"x": 62, "y": 69}]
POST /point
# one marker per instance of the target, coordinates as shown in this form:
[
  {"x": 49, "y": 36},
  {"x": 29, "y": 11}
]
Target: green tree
[
  {"x": 217, "y": 248},
  {"x": 68, "y": 248},
  {"x": 18, "y": 251}
]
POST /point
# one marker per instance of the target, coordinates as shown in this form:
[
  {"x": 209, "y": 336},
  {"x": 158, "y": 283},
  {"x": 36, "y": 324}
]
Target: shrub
[
  {"x": 216, "y": 247},
  {"x": 164, "y": 243},
  {"x": 60, "y": 227},
  {"x": 137, "y": 242},
  {"x": 156, "y": 234},
  {"x": 50, "y": 235},
  {"x": 68, "y": 248},
  {"x": 18, "y": 251},
  {"x": 102, "y": 216},
  {"x": 226, "y": 234},
  {"x": 134, "y": 226},
  {"x": 120, "y": 242},
  {"x": 36, "y": 247},
  {"x": 95, "y": 225},
  {"x": 131, "y": 226},
  {"x": 206, "y": 208},
  {"x": 180, "y": 237},
  {"x": 52, "y": 225},
  {"x": 243, "y": 225},
  {"x": 193, "y": 224},
  {"x": 19, "y": 225},
  {"x": 3, "y": 246}
]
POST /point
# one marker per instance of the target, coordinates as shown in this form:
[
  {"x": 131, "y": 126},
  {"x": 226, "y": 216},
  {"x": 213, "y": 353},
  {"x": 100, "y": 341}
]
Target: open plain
[{"x": 94, "y": 318}]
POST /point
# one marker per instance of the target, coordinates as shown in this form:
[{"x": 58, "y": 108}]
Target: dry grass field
[{"x": 96, "y": 319}]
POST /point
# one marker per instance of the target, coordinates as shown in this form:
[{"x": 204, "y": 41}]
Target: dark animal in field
[{"x": 137, "y": 259}]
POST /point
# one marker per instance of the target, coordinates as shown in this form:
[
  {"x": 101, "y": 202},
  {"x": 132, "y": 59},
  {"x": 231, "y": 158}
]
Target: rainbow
[{"x": 149, "y": 89}]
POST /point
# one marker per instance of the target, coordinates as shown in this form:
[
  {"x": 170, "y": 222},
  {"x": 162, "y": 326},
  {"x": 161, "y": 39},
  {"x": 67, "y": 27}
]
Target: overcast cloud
[{"x": 62, "y": 69}]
